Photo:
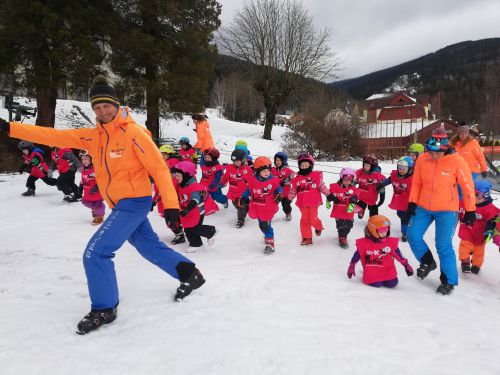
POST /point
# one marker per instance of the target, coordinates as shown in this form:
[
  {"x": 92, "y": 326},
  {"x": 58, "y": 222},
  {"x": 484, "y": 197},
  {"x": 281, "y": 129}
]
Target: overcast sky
[{"x": 370, "y": 35}]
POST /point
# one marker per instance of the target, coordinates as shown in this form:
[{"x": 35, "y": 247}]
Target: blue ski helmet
[
  {"x": 184, "y": 140},
  {"x": 282, "y": 156},
  {"x": 405, "y": 162},
  {"x": 483, "y": 187}
]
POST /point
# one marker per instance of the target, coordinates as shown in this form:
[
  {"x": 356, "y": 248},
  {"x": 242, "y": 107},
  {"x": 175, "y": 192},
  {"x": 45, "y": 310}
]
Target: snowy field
[{"x": 293, "y": 312}]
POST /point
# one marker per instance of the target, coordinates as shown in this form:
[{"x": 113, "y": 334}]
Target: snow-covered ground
[{"x": 293, "y": 312}]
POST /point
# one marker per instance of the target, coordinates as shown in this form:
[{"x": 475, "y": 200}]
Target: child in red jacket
[
  {"x": 236, "y": 175},
  {"x": 35, "y": 164},
  {"x": 308, "y": 186},
  {"x": 473, "y": 238},
  {"x": 263, "y": 196},
  {"x": 368, "y": 178},
  {"x": 285, "y": 174},
  {"x": 401, "y": 180},
  {"x": 167, "y": 152},
  {"x": 91, "y": 197},
  {"x": 377, "y": 252},
  {"x": 344, "y": 195},
  {"x": 211, "y": 174},
  {"x": 192, "y": 205}
]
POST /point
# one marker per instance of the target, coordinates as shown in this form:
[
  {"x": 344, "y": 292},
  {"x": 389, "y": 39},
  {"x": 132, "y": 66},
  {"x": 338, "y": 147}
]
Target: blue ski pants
[
  {"x": 127, "y": 222},
  {"x": 445, "y": 228}
]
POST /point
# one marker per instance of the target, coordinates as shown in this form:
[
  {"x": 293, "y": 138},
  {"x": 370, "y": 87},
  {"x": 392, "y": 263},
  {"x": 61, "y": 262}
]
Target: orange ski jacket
[{"x": 434, "y": 184}]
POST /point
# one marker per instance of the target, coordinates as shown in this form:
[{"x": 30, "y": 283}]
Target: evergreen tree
[
  {"x": 163, "y": 49},
  {"x": 46, "y": 44}
]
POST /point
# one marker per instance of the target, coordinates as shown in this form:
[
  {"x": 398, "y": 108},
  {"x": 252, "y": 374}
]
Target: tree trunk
[
  {"x": 270, "y": 116},
  {"x": 152, "y": 105},
  {"x": 46, "y": 107}
]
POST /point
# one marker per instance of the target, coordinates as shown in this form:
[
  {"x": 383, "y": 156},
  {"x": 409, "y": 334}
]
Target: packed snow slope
[{"x": 292, "y": 312}]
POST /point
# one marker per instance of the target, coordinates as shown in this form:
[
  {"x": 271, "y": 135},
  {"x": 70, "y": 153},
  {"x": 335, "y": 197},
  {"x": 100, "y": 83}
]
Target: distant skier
[
  {"x": 263, "y": 195},
  {"x": 67, "y": 164},
  {"x": 236, "y": 175},
  {"x": 368, "y": 177},
  {"x": 401, "y": 180},
  {"x": 35, "y": 165},
  {"x": 308, "y": 186},
  {"x": 285, "y": 174},
  {"x": 344, "y": 196},
  {"x": 91, "y": 197},
  {"x": 124, "y": 157},
  {"x": 377, "y": 251},
  {"x": 473, "y": 238}
]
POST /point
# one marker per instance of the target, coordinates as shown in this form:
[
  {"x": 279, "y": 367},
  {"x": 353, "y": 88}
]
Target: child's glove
[
  {"x": 285, "y": 181},
  {"x": 408, "y": 268},
  {"x": 332, "y": 198},
  {"x": 183, "y": 213},
  {"x": 469, "y": 218},
  {"x": 351, "y": 271},
  {"x": 381, "y": 199},
  {"x": 278, "y": 197},
  {"x": 412, "y": 207},
  {"x": 488, "y": 235},
  {"x": 172, "y": 217},
  {"x": 242, "y": 202},
  {"x": 354, "y": 199}
]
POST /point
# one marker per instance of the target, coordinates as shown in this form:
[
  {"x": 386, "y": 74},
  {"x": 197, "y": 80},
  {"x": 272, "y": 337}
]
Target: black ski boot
[
  {"x": 475, "y": 270},
  {"x": 193, "y": 282},
  {"x": 179, "y": 238},
  {"x": 465, "y": 266},
  {"x": 427, "y": 264},
  {"x": 70, "y": 198},
  {"x": 445, "y": 288},
  {"x": 240, "y": 223},
  {"x": 424, "y": 269},
  {"x": 29, "y": 193},
  {"x": 404, "y": 238},
  {"x": 94, "y": 319}
]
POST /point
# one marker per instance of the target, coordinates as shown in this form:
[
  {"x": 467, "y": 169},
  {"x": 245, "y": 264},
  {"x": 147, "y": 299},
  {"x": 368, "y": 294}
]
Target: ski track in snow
[{"x": 293, "y": 312}]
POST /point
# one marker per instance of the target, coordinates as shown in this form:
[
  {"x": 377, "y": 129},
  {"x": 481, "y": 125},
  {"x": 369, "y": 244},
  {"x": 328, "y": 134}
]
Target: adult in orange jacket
[
  {"x": 204, "y": 138},
  {"x": 434, "y": 197},
  {"x": 124, "y": 157},
  {"x": 469, "y": 149}
]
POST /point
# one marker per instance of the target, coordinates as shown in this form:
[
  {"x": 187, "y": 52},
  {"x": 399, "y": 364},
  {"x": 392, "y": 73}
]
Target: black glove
[
  {"x": 354, "y": 199},
  {"x": 184, "y": 212},
  {"x": 381, "y": 200},
  {"x": 285, "y": 181},
  {"x": 332, "y": 198},
  {"x": 153, "y": 204},
  {"x": 410, "y": 211},
  {"x": 381, "y": 189},
  {"x": 172, "y": 217},
  {"x": 4, "y": 125},
  {"x": 469, "y": 218},
  {"x": 484, "y": 174}
]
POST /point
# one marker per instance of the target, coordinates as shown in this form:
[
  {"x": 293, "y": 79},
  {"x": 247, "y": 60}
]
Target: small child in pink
[
  {"x": 344, "y": 195},
  {"x": 285, "y": 174},
  {"x": 377, "y": 252},
  {"x": 91, "y": 196},
  {"x": 368, "y": 178}
]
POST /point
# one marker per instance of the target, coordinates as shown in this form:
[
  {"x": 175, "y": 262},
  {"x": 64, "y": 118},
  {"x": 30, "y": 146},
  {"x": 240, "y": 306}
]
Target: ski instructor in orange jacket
[
  {"x": 124, "y": 157},
  {"x": 434, "y": 197}
]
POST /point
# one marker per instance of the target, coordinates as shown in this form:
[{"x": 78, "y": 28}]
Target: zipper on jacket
[{"x": 107, "y": 167}]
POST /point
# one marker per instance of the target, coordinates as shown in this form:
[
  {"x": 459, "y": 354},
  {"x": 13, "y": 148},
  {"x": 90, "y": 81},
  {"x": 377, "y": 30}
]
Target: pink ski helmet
[
  {"x": 185, "y": 167},
  {"x": 305, "y": 157},
  {"x": 347, "y": 172}
]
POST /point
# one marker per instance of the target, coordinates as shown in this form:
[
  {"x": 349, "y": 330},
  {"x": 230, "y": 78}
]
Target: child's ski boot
[
  {"x": 179, "y": 238},
  {"x": 343, "y": 242},
  {"x": 288, "y": 216},
  {"x": 465, "y": 266},
  {"x": 269, "y": 249},
  {"x": 404, "y": 238},
  {"x": 29, "y": 193},
  {"x": 318, "y": 232},
  {"x": 306, "y": 241},
  {"x": 475, "y": 270},
  {"x": 94, "y": 319},
  {"x": 97, "y": 220},
  {"x": 240, "y": 223}
]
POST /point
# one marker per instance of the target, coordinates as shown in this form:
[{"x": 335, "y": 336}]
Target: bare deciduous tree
[{"x": 279, "y": 39}]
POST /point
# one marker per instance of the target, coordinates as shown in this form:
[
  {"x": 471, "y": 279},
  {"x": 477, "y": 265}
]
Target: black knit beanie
[{"x": 103, "y": 92}]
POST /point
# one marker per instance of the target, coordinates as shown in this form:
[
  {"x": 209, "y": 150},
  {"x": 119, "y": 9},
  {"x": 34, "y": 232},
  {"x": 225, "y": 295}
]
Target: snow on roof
[{"x": 380, "y": 96}]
